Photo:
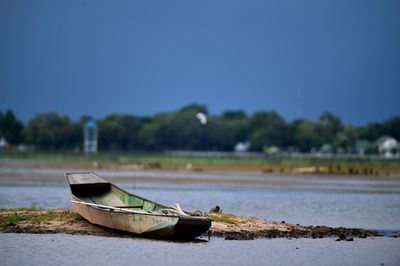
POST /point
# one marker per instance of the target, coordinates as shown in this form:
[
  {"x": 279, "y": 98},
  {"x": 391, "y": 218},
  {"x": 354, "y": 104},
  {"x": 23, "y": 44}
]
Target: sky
[{"x": 299, "y": 58}]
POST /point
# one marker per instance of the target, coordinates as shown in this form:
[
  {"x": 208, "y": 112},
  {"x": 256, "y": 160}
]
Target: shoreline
[
  {"x": 325, "y": 167},
  {"x": 230, "y": 227},
  {"x": 20, "y": 173}
]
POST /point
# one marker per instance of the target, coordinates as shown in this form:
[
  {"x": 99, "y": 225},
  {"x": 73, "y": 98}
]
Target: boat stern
[{"x": 191, "y": 227}]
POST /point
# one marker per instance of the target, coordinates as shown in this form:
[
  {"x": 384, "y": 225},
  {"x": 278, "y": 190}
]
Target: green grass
[
  {"x": 20, "y": 209},
  {"x": 36, "y": 215},
  {"x": 11, "y": 220},
  {"x": 120, "y": 157},
  {"x": 223, "y": 218},
  {"x": 136, "y": 157}
]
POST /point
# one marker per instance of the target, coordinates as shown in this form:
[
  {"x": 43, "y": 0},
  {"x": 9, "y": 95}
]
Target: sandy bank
[
  {"x": 328, "y": 167},
  {"x": 228, "y": 226}
]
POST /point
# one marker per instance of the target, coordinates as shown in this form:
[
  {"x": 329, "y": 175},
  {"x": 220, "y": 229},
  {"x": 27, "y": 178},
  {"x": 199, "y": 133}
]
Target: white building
[
  {"x": 389, "y": 147},
  {"x": 3, "y": 144}
]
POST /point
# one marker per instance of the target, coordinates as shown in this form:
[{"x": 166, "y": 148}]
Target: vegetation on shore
[
  {"x": 231, "y": 227},
  {"x": 16, "y": 216},
  {"x": 181, "y": 130},
  {"x": 160, "y": 161}
]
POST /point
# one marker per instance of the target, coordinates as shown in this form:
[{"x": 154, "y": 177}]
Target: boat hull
[
  {"x": 148, "y": 225},
  {"x": 128, "y": 222}
]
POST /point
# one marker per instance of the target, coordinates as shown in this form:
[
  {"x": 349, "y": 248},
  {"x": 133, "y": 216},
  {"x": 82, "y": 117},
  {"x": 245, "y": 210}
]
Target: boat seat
[
  {"x": 90, "y": 189},
  {"x": 127, "y": 207}
]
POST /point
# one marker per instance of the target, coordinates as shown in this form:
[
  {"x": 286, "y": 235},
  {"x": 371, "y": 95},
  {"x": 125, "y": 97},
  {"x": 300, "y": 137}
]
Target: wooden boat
[{"x": 105, "y": 204}]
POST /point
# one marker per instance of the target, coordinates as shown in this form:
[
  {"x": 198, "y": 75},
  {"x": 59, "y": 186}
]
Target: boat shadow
[{"x": 122, "y": 234}]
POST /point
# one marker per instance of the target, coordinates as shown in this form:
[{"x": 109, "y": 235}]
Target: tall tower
[{"x": 90, "y": 136}]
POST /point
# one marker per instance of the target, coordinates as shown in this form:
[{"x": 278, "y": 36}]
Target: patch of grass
[
  {"x": 149, "y": 157},
  {"x": 368, "y": 165},
  {"x": 53, "y": 216},
  {"x": 36, "y": 216},
  {"x": 223, "y": 218},
  {"x": 11, "y": 220},
  {"x": 19, "y": 209},
  {"x": 79, "y": 218}
]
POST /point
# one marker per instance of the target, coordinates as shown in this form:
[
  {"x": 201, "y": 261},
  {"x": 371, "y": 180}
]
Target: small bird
[{"x": 216, "y": 209}]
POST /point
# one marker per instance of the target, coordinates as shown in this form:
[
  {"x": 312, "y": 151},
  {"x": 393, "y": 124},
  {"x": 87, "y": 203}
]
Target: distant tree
[
  {"x": 305, "y": 135},
  {"x": 223, "y": 134},
  {"x": 51, "y": 131},
  {"x": 346, "y": 139},
  {"x": 328, "y": 126},
  {"x": 371, "y": 132},
  {"x": 148, "y": 138},
  {"x": 182, "y": 129},
  {"x": 391, "y": 127},
  {"x": 234, "y": 115},
  {"x": 10, "y": 127},
  {"x": 267, "y": 129},
  {"x": 237, "y": 123},
  {"x": 119, "y": 132},
  {"x": 195, "y": 108}
]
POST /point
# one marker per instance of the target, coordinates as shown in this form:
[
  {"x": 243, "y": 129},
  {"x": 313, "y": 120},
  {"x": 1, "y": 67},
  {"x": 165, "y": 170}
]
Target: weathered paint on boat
[{"x": 105, "y": 204}]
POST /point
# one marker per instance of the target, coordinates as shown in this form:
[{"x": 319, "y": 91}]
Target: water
[
  {"x": 28, "y": 249},
  {"x": 366, "y": 209},
  {"x": 315, "y": 200}
]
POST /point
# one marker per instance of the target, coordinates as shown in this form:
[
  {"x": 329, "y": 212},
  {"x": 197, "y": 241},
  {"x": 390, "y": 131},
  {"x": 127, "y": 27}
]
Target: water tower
[{"x": 90, "y": 136}]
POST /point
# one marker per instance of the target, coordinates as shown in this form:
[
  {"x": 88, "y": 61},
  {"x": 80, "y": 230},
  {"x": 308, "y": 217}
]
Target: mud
[{"x": 230, "y": 227}]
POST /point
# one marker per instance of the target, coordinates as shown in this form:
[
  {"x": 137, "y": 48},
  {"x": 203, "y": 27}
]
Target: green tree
[
  {"x": 194, "y": 108},
  {"x": 119, "y": 132},
  {"x": 237, "y": 123},
  {"x": 391, "y": 127},
  {"x": 305, "y": 135},
  {"x": 234, "y": 115},
  {"x": 267, "y": 129},
  {"x": 183, "y": 130},
  {"x": 371, "y": 132},
  {"x": 346, "y": 139},
  {"x": 148, "y": 135},
  {"x": 221, "y": 134},
  {"x": 51, "y": 131},
  {"x": 328, "y": 126},
  {"x": 10, "y": 127}
]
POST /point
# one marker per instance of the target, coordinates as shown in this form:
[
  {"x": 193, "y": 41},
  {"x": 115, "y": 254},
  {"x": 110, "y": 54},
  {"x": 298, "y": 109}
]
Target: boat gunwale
[
  {"x": 112, "y": 209},
  {"x": 105, "y": 209}
]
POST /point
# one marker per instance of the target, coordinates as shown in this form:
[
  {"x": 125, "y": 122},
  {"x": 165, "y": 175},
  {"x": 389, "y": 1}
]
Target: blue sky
[{"x": 300, "y": 58}]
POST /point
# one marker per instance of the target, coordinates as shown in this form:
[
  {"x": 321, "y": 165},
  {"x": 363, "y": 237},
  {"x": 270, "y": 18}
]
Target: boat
[{"x": 105, "y": 204}]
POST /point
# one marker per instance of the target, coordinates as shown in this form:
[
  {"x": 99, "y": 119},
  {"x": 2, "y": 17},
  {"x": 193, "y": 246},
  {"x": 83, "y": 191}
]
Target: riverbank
[
  {"x": 163, "y": 161},
  {"x": 49, "y": 172},
  {"x": 228, "y": 226}
]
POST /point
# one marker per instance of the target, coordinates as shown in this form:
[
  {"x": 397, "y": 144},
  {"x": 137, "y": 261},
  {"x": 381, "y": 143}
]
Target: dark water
[
  {"x": 373, "y": 210},
  {"x": 27, "y": 249},
  {"x": 373, "y": 204}
]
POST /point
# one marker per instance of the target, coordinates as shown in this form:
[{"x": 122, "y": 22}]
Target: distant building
[
  {"x": 388, "y": 147},
  {"x": 90, "y": 133},
  {"x": 242, "y": 146},
  {"x": 3, "y": 144},
  {"x": 272, "y": 150}
]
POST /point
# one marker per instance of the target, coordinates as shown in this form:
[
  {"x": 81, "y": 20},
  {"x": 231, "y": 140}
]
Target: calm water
[
  {"x": 366, "y": 209},
  {"x": 27, "y": 249},
  {"x": 314, "y": 200}
]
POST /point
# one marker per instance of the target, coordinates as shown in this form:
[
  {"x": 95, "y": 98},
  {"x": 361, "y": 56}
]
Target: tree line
[{"x": 182, "y": 130}]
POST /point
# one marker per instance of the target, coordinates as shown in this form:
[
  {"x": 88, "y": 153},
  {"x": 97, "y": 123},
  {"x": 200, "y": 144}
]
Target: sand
[{"x": 230, "y": 227}]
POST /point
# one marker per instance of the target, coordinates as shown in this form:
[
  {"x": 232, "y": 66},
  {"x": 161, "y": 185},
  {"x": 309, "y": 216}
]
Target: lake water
[
  {"x": 371, "y": 210},
  {"x": 362, "y": 203},
  {"x": 28, "y": 249}
]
